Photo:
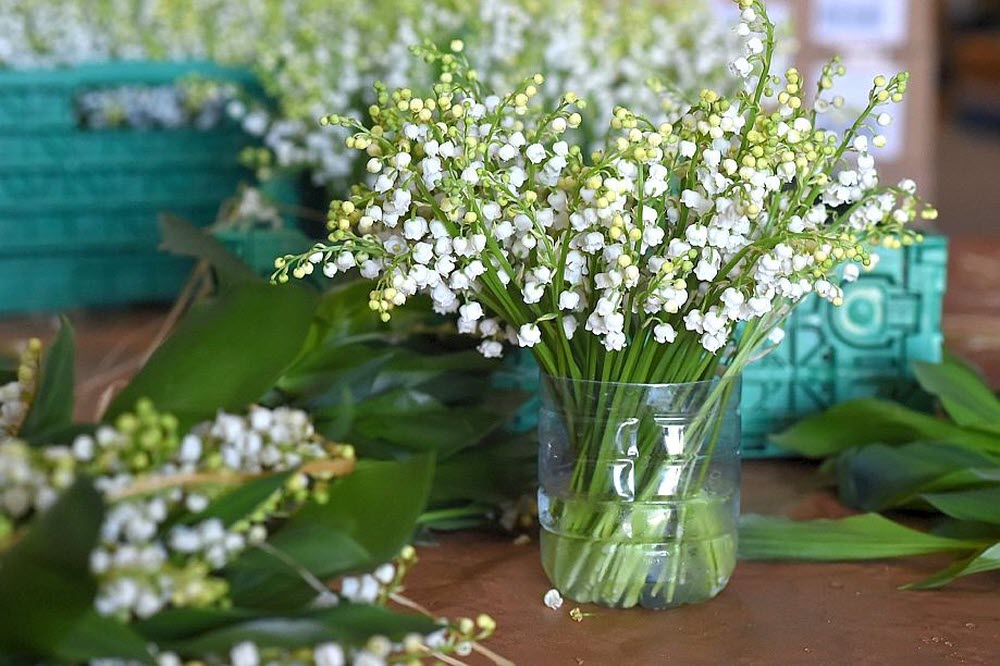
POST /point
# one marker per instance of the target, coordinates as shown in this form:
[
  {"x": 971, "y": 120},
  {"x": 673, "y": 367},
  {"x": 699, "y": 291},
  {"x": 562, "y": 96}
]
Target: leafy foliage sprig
[{"x": 887, "y": 457}]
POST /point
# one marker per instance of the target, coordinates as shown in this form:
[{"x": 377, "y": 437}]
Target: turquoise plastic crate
[
  {"x": 91, "y": 229},
  {"x": 84, "y": 204},
  {"x": 61, "y": 281},
  {"x": 520, "y": 371},
  {"x": 890, "y": 318},
  {"x": 44, "y": 100}
]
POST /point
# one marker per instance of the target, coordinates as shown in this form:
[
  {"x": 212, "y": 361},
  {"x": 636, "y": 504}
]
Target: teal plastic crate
[
  {"x": 890, "y": 318},
  {"x": 61, "y": 281},
  {"x": 520, "y": 371},
  {"x": 84, "y": 203},
  {"x": 865, "y": 348}
]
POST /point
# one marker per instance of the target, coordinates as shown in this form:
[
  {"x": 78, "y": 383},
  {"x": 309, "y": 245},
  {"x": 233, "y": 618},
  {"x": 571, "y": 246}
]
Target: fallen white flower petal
[{"x": 553, "y": 599}]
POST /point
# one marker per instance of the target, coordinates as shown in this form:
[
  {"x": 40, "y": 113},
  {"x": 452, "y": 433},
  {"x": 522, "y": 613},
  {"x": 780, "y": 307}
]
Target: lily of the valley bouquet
[{"x": 642, "y": 277}]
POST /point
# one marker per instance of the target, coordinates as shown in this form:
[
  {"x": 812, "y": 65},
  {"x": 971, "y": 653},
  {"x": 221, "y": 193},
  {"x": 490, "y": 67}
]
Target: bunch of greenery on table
[
  {"x": 635, "y": 264},
  {"x": 193, "y": 526},
  {"x": 885, "y": 457},
  {"x": 409, "y": 386}
]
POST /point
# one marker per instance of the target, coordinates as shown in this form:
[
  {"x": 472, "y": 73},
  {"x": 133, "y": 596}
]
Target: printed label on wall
[{"x": 877, "y": 23}]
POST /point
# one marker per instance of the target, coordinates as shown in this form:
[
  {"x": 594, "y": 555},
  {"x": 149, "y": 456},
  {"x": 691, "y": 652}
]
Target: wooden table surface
[{"x": 771, "y": 613}]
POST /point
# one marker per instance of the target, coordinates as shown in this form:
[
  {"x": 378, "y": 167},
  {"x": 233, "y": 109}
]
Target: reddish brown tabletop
[{"x": 771, "y": 613}]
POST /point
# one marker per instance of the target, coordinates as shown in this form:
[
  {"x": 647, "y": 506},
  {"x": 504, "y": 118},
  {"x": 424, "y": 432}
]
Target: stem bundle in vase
[{"x": 642, "y": 277}]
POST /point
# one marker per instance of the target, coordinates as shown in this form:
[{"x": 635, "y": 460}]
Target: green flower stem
[{"x": 612, "y": 566}]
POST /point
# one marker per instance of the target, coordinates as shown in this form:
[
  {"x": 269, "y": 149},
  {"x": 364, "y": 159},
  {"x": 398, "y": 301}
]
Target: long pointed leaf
[
  {"x": 976, "y": 504},
  {"x": 183, "y": 238},
  {"x": 95, "y": 637},
  {"x": 272, "y": 578},
  {"x": 865, "y": 537},
  {"x": 45, "y": 584},
  {"x": 870, "y": 421},
  {"x": 240, "y": 502},
  {"x": 347, "y": 623},
  {"x": 224, "y": 355},
  {"x": 351, "y": 531},
  {"x": 878, "y": 477},
  {"x": 985, "y": 560},
  {"x": 356, "y": 504},
  {"x": 964, "y": 395}
]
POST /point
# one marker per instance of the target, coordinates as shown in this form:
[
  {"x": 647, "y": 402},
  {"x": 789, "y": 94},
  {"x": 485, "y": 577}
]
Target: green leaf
[
  {"x": 344, "y": 311},
  {"x": 270, "y": 576},
  {"x": 240, "y": 502},
  {"x": 329, "y": 377},
  {"x": 444, "y": 431},
  {"x": 985, "y": 560},
  {"x": 871, "y": 421},
  {"x": 45, "y": 582},
  {"x": 183, "y": 238},
  {"x": 174, "y": 624},
  {"x": 404, "y": 402},
  {"x": 369, "y": 516},
  {"x": 977, "y": 504},
  {"x": 378, "y": 504},
  {"x": 864, "y": 537},
  {"x": 492, "y": 473},
  {"x": 346, "y": 623},
  {"x": 52, "y": 408},
  {"x": 965, "y": 478},
  {"x": 224, "y": 355},
  {"x": 878, "y": 477},
  {"x": 964, "y": 395},
  {"x": 96, "y": 637},
  {"x": 411, "y": 368},
  {"x": 964, "y": 529}
]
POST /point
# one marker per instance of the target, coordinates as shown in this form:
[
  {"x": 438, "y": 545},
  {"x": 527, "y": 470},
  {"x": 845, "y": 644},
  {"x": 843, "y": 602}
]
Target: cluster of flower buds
[
  {"x": 152, "y": 477},
  {"x": 16, "y": 396}
]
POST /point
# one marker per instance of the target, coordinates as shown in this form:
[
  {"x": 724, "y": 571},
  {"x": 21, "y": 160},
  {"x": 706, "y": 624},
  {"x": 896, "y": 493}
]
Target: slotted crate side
[
  {"x": 891, "y": 317},
  {"x": 66, "y": 281},
  {"x": 37, "y": 100},
  {"x": 52, "y": 152},
  {"x": 138, "y": 184},
  {"x": 73, "y": 230},
  {"x": 67, "y": 193}
]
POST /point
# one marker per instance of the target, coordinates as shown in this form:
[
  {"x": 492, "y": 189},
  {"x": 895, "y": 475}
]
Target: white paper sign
[{"x": 878, "y": 23}]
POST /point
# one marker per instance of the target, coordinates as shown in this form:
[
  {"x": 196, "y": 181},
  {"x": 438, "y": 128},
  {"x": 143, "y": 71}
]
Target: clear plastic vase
[{"x": 639, "y": 490}]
